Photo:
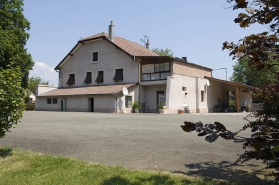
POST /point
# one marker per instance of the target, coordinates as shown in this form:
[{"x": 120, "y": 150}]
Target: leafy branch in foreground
[
  {"x": 260, "y": 48},
  {"x": 11, "y": 98}
]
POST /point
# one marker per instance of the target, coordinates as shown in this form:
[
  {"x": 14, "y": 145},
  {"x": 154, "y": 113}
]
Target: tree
[
  {"x": 34, "y": 81},
  {"x": 11, "y": 98},
  {"x": 262, "y": 53},
  {"x": 13, "y": 37},
  {"x": 250, "y": 75},
  {"x": 163, "y": 52}
]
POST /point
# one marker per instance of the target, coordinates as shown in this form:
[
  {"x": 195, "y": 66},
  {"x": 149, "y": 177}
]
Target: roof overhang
[
  {"x": 162, "y": 59},
  {"x": 228, "y": 82},
  {"x": 89, "y": 90}
]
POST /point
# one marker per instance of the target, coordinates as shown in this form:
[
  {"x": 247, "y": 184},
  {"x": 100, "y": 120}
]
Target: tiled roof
[
  {"x": 130, "y": 47},
  {"x": 91, "y": 90}
]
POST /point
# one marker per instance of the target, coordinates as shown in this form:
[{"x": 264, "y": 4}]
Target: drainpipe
[
  {"x": 138, "y": 75},
  {"x": 115, "y": 103},
  {"x": 61, "y": 77}
]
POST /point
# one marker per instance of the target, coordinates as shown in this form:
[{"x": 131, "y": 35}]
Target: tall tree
[
  {"x": 250, "y": 75},
  {"x": 163, "y": 52},
  {"x": 13, "y": 37},
  {"x": 34, "y": 81},
  {"x": 262, "y": 53}
]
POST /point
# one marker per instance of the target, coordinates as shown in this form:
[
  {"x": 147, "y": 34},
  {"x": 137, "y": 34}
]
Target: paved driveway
[{"x": 145, "y": 141}]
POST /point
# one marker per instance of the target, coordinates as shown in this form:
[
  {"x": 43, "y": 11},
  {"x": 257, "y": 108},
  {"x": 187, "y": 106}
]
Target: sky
[{"x": 193, "y": 29}]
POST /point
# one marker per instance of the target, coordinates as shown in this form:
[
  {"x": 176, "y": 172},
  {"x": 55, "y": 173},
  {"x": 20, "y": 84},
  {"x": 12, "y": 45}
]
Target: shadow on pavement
[{"x": 228, "y": 171}]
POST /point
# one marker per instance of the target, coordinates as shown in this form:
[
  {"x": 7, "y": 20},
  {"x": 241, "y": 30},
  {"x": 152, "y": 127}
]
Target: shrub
[
  {"x": 136, "y": 105},
  {"x": 30, "y": 106}
]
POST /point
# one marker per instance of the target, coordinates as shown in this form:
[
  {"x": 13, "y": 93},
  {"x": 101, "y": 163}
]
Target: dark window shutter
[
  {"x": 118, "y": 77},
  {"x": 88, "y": 78},
  {"x": 71, "y": 79},
  {"x": 100, "y": 77}
]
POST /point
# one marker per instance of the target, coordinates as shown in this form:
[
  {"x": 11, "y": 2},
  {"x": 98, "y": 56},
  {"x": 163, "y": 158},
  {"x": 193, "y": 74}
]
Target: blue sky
[{"x": 195, "y": 29}]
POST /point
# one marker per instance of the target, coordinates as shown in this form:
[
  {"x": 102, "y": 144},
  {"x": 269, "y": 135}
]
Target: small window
[
  {"x": 95, "y": 56},
  {"x": 88, "y": 78},
  {"x": 184, "y": 89},
  {"x": 100, "y": 77},
  {"x": 49, "y": 101},
  {"x": 128, "y": 101},
  {"x": 118, "y": 77},
  {"x": 71, "y": 80},
  {"x": 54, "y": 100},
  {"x": 202, "y": 96}
]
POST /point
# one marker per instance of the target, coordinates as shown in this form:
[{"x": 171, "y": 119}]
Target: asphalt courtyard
[{"x": 138, "y": 141}]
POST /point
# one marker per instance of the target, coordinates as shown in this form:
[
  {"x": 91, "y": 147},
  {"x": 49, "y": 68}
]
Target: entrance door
[
  {"x": 92, "y": 104},
  {"x": 160, "y": 98}
]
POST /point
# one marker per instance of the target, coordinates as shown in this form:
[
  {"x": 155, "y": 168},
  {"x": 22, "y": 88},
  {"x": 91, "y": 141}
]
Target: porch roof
[
  {"x": 91, "y": 90},
  {"x": 228, "y": 82}
]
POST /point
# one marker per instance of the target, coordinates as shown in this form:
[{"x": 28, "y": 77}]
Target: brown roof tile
[
  {"x": 130, "y": 47},
  {"x": 91, "y": 90}
]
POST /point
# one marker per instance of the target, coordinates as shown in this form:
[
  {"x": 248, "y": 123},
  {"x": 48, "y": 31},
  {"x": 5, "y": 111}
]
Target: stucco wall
[
  {"x": 149, "y": 95},
  {"x": 190, "y": 70},
  {"x": 194, "y": 86},
  {"x": 102, "y": 103},
  {"x": 134, "y": 92},
  {"x": 110, "y": 59}
]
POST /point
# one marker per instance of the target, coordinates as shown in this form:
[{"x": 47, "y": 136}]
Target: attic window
[
  {"x": 118, "y": 77},
  {"x": 88, "y": 78},
  {"x": 95, "y": 57},
  {"x": 71, "y": 80},
  {"x": 184, "y": 88},
  {"x": 100, "y": 77}
]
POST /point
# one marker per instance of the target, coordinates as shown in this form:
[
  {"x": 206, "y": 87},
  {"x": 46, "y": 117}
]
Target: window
[
  {"x": 118, "y": 77},
  {"x": 49, "y": 101},
  {"x": 128, "y": 101},
  {"x": 71, "y": 80},
  {"x": 202, "y": 96},
  {"x": 95, "y": 56},
  {"x": 54, "y": 100},
  {"x": 100, "y": 77},
  {"x": 184, "y": 89},
  {"x": 162, "y": 67},
  {"x": 159, "y": 71},
  {"x": 88, "y": 78}
]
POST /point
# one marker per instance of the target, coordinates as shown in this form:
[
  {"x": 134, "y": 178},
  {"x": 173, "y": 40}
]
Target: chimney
[
  {"x": 147, "y": 44},
  {"x": 184, "y": 58},
  {"x": 111, "y": 31}
]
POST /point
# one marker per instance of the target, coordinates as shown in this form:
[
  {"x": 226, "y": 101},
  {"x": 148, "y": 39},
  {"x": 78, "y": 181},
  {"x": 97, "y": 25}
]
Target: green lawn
[{"x": 25, "y": 167}]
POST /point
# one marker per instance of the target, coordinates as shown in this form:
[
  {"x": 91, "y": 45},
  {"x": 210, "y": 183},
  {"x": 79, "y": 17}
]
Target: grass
[{"x": 25, "y": 167}]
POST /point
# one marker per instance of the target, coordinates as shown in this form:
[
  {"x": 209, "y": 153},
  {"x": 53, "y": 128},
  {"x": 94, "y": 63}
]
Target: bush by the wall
[{"x": 30, "y": 106}]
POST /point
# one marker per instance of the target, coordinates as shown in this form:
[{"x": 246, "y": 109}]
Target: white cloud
[{"x": 45, "y": 72}]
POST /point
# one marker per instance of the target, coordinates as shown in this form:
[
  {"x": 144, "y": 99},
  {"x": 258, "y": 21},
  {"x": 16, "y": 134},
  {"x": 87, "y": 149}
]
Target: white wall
[
  {"x": 175, "y": 95},
  {"x": 110, "y": 58},
  {"x": 134, "y": 92}
]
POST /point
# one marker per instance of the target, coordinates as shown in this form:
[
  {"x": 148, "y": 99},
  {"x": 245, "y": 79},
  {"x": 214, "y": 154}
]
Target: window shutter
[
  {"x": 71, "y": 79},
  {"x": 118, "y": 77},
  {"x": 100, "y": 77},
  {"x": 88, "y": 78}
]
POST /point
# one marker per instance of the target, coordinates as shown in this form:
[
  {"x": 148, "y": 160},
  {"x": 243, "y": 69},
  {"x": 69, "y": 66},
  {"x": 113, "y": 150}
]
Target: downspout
[
  {"x": 61, "y": 77},
  {"x": 138, "y": 76},
  {"x": 115, "y": 103}
]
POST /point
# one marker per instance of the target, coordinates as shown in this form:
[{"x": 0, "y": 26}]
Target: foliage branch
[{"x": 11, "y": 98}]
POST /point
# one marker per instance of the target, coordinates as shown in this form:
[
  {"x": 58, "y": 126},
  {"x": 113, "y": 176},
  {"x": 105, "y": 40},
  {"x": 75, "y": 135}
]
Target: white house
[{"x": 93, "y": 74}]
